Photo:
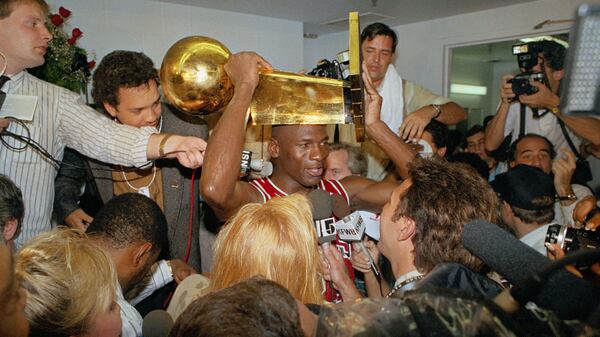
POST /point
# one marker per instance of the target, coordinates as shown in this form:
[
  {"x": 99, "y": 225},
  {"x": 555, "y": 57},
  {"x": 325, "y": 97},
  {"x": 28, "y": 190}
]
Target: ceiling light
[{"x": 467, "y": 89}]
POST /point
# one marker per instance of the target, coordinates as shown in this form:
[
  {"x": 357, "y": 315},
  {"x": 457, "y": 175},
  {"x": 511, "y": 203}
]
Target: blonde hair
[
  {"x": 276, "y": 240},
  {"x": 68, "y": 282}
]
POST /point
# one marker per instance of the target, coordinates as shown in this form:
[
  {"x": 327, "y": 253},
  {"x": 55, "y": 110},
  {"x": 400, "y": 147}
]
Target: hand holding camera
[
  {"x": 507, "y": 95},
  {"x": 587, "y": 214},
  {"x": 542, "y": 98}
]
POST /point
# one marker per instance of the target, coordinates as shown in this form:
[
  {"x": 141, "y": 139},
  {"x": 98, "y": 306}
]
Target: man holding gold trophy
[{"x": 299, "y": 107}]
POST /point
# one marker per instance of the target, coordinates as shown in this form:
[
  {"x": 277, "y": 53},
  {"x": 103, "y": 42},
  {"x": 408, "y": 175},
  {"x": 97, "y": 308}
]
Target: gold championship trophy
[{"x": 194, "y": 80}]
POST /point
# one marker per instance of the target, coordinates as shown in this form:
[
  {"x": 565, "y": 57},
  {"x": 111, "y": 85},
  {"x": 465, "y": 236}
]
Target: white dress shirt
[
  {"x": 546, "y": 126},
  {"x": 61, "y": 119},
  {"x": 536, "y": 238},
  {"x": 159, "y": 275}
]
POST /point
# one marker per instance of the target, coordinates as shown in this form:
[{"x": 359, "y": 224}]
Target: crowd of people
[{"x": 125, "y": 224}]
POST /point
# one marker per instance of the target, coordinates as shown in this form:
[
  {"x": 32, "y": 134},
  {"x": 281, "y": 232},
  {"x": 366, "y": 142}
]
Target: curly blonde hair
[
  {"x": 68, "y": 280},
  {"x": 276, "y": 240}
]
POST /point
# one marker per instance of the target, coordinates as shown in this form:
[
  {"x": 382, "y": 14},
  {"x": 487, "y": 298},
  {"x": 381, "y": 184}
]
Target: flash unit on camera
[{"x": 520, "y": 49}]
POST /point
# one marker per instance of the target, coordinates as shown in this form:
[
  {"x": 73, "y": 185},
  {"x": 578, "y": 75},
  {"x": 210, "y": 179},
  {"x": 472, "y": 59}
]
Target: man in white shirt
[
  {"x": 550, "y": 62},
  {"x": 132, "y": 230},
  {"x": 61, "y": 118},
  {"x": 407, "y": 107},
  {"x": 527, "y": 195}
]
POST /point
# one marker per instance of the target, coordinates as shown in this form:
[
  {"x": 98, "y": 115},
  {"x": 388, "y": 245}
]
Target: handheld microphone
[
  {"x": 340, "y": 206},
  {"x": 557, "y": 290},
  {"x": 245, "y": 163},
  {"x": 261, "y": 167},
  {"x": 157, "y": 323},
  {"x": 352, "y": 228},
  {"x": 321, "y": 213}
]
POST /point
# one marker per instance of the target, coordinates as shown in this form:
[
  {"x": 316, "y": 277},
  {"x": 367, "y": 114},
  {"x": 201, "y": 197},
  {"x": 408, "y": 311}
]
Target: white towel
[{"x": 393, "y": 99}]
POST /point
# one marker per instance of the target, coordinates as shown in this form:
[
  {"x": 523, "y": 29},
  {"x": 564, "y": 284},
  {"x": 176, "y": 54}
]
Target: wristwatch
[
  {"x": 567, "y": 197},
  {"x": 170, "y": 267},
  {"x": 437, "y": 108}
]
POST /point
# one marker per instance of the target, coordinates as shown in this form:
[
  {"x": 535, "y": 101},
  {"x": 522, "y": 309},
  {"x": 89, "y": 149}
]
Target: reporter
[
  {"x": 70, "y": 286},
  {"x": 277, "y": 240}
]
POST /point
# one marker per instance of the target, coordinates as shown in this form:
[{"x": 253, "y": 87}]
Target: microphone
[
  {"x": 322, "y": 205},
  {"x": 352, "y": 228},
  {"x": 535, "y": 279},
  {"x": 157, "y": 323},
  {"x": 245, "y": 163},
  {"x": 261, "y": 167},
  {"x": 340, "y": 206}
]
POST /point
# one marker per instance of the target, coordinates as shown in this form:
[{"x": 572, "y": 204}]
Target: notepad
[{"x": 19, "y": 106}]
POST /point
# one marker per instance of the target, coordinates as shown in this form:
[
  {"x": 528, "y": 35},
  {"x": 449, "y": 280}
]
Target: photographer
[{"x": 540, "y": 105}]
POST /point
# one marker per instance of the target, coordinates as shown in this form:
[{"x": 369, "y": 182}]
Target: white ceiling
[{"x": 315, "y": 13}]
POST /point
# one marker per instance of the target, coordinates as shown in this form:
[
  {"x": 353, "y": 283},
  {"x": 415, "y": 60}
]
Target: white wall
[
  {"x": 472, "y": 72},
  {"x": 421, "y": 49},
  {"x": 152, "y": 27},
  {"x": 421, "y": 54}
]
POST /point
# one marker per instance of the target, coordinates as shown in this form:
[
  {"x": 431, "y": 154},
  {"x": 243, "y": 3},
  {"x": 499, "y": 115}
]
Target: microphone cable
[{"x": 188, "y": 249}]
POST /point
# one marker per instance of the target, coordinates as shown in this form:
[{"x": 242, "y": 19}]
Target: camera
[
  {"x": 572, "y": 239},
  {"x": 336, "y": 69},
  {"x": 527, "y": 54},
  {"x": 527, "y": 58},
  {"x": 521, "y": 83}
]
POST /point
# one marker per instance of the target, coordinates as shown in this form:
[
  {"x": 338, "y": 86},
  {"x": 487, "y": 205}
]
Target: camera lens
[{"x": 552, "y": 233}]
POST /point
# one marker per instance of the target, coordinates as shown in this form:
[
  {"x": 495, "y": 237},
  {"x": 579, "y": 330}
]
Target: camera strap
[
  {"x": 563, "y": 128},
  {"x": 562, "y": 125},
  {"x": 522, "y": 122}
]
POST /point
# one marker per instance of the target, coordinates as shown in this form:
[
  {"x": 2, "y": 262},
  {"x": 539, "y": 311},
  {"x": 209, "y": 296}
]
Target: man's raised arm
[
  {"x": 494, "y": 132},
  {"x": 221, "y": 187},
  {"x": 366, "y": 194}
]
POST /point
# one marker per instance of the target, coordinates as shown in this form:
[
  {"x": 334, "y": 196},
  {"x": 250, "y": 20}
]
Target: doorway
[{"x": 475, "y": 75}]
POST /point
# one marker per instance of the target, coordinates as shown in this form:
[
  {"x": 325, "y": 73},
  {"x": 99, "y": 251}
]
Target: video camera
[
  {"x": 527, "y": 58},
  {"x": 571, "y": 239}
]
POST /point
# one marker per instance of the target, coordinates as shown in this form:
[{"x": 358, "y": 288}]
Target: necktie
[{"x": 3, "y": 79}]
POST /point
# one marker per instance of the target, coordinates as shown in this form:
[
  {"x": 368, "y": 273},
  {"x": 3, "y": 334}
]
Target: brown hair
[
  {"x": 443, "y": 198},
  {"x": 7, "y": 6},
  {"x": 255, "y": 307},
  {"x": 540, "y": 216},
  {"x": 121, "y": 69}
]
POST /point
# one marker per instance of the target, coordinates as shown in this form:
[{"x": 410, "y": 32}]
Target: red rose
[
  {"x": 91, "y": 65},
  {"x": 71, "y": 41},
  {"x": 65, "y": 13},
  {"x": 76, "y": 33},
  {"x": 56, "y": 20}
]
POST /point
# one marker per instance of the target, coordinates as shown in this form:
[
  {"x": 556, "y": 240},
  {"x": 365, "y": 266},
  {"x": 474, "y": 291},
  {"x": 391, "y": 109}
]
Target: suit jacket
[{"x": 176, "y": 193}]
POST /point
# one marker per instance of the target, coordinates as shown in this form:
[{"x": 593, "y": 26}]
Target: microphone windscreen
[
  {"x": 157, "y": 323},
  {"x": 321, "y": 204},
  {"x": 568, "y": 296},
  {"x": 502, "y": 251},
  {"x": 340, "y": 206}
]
